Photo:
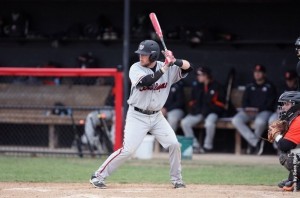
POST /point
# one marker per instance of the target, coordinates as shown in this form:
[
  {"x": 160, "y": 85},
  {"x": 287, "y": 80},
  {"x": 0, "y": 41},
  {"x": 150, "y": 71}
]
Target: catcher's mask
[
  {"x": 291, "y": 98},
  {"x": 150, "y": 48}
]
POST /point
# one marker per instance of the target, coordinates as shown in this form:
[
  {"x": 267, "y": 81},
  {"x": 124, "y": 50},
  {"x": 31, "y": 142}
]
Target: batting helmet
[
  {"x": 150, "y": 48},
  {"x": 297, "y": 45}
]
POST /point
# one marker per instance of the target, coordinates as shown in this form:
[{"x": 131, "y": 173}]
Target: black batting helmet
[
  {"x": 297, "y": 45},
  {"x": 150, "y": 48}
]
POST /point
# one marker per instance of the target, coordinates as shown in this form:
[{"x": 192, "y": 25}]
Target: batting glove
[{"x": 169, "y": 57}]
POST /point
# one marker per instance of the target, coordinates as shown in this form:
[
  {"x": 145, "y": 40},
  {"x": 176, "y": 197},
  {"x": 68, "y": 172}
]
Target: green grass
[{"x": 43, "y": 169}]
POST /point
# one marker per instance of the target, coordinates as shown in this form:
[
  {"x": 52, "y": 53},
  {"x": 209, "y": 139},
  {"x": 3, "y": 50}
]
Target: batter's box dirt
[{"x": 85, "y": 190}]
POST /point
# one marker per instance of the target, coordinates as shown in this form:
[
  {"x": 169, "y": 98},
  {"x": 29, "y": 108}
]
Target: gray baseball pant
[
  {"x": 174, "y": 116},
  {"x": 190, "y": 120},
  {"x": 241, "y": 119},
  {"x": 136, "y": 128}
]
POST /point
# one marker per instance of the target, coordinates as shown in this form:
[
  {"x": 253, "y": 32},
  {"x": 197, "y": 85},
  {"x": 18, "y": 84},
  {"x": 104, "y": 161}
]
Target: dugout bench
[{"x": 33, "y": 104}]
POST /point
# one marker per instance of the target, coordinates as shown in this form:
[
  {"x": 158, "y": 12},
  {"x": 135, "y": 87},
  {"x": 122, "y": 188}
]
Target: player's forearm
[
  {"x": 183, "y": 64},
  {"x": 284, "y": 144},
  {"x": 186, "y": 65},
  {"x": 148, "y": 80}
]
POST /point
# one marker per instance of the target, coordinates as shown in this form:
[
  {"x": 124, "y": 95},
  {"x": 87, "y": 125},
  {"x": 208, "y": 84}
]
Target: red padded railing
[{"x": 73, "y": 72}]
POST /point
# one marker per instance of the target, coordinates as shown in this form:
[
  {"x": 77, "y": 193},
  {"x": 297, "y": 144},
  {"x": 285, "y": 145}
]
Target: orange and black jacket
[{"x": 207, "y": 99}]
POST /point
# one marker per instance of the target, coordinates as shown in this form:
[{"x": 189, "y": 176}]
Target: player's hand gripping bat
[{"x": 157, "y": 29}]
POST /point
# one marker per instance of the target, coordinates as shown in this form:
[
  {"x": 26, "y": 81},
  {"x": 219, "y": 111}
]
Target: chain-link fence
[{"x": 47, "y": 115}]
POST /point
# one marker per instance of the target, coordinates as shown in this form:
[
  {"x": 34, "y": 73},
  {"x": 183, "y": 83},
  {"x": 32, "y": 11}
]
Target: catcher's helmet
[
  {"x": 292, "y": 97},
  {"x": 297, "y": 46},
  {"x": 149, "y": 47}
]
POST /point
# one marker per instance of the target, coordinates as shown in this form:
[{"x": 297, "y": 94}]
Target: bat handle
[{"x": 163, "y": 43}]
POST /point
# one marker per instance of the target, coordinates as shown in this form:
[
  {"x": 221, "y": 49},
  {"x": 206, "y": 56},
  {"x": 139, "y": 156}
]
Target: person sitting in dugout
[
  {"x": 259, "y": 99},
  {"x": 207, "y": 103}
]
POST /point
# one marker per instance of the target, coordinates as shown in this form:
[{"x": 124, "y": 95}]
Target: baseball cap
[
  {"x": 259, "y": 68},
  {"x": 204, "y": 70},
  {"x": 290, "y": 74}
]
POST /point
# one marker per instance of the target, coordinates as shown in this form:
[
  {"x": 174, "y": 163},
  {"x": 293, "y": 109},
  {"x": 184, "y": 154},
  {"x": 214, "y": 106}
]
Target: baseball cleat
[
  {"x": 292, "y": 186},
  {"x": 97, "y": 183},
  {"x": 285, "y": 183},
  {"x": 179, "y": 185}
]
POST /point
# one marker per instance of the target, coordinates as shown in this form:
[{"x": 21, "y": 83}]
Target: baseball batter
[{"x": 151, "y": 81}]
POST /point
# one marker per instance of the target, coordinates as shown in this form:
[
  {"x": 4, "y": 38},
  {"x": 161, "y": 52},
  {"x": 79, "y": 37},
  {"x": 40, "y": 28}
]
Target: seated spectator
[
  {"x": 207, "y": 103},
  {"x": 258, "y": 103},
  {"x": 173, "y": 108},
  {"x": 93, "y": 120}
]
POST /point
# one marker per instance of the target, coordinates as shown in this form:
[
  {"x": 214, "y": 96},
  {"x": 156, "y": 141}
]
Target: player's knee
[
  {"x": 174, "y": 146},
  {"x": 236, "y": 121},
  {"x": 260, "y": 123},
  {"x": 183, "y": 123},
  {"x": 128, "y": 152},
  {"x": 210, "y": 124},
  {"x": 172, "y": 121}
]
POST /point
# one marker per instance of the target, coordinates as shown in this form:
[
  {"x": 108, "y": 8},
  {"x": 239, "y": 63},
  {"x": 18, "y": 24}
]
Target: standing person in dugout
[
  {"x": 207, "y": 103},
  {"x": 258, "y": 102},
  {"x": 151, "y": 82},
  {"x": 286, "y": 135}
]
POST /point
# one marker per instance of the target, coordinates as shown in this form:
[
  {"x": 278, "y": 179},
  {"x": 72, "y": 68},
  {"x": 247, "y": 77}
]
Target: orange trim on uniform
[
  {"x": 216, "y": 101},
  {"x": 293, "y": 134}
]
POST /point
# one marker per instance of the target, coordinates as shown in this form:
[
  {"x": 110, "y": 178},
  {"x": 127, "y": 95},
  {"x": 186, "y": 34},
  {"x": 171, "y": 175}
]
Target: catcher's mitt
[{"x": 278, "y": 127}]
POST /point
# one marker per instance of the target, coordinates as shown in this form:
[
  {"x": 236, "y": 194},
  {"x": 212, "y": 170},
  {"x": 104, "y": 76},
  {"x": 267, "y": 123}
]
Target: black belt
[{"x": 148, "y": 112}]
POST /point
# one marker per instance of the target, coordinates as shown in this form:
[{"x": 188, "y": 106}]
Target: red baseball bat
[{"x": 157, "y": 28}]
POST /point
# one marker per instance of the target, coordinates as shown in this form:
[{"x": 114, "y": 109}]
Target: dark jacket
[
  {"x": 207, "y": 99},
  {"x": 176, "y": 97},
  {"x": 262, "y": 96}
]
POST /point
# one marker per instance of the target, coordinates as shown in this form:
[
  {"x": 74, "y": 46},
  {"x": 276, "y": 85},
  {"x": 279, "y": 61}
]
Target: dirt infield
[{"x": 80, "y": 190}]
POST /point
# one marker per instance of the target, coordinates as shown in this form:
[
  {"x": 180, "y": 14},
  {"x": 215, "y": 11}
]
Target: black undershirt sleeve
[
  {"x": 184, "y": 71},
  {"x": 149, "y": 79},
  {"x": 285, "y": 145}
]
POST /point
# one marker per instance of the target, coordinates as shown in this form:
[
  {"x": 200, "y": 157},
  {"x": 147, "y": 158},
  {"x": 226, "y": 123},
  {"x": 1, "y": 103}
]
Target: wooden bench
[
  {"x": 33, "y": 104},
  {"x": 225, "y": 122}
]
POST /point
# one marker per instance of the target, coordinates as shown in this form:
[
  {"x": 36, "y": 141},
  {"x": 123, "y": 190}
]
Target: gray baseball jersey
[{"x": 155, "y": 96}]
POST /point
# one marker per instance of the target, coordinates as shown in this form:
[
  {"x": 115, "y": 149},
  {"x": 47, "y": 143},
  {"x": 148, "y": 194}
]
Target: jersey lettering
[{"x": 155, "y": 86}]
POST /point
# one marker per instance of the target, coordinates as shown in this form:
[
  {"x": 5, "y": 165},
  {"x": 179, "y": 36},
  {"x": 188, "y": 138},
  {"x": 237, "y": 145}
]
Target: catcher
[{"x": 286, "y": 133}]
